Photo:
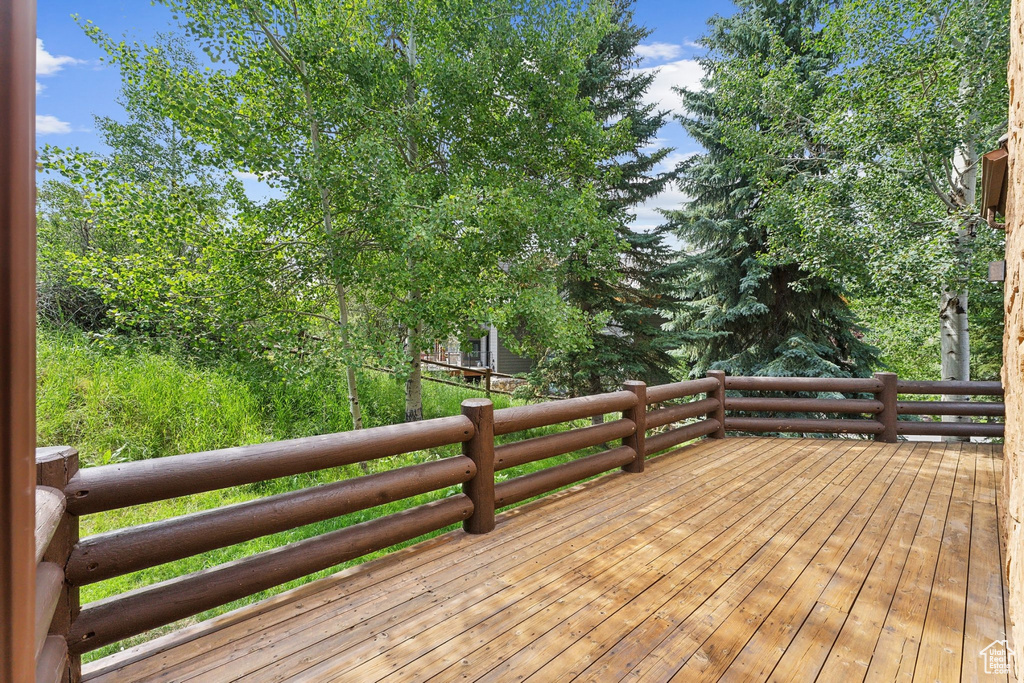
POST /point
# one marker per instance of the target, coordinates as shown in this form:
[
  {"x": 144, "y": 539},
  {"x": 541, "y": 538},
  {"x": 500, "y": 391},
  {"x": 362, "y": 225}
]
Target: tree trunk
[
  {"x": 953, "y": 321},
  {"x": 350, "y": 373},
  {"x": 594, "y": 388},
  {"x": 414, "y": 383},
  {"x": 328, "y": 223},
  {"x": 956, "y": 350}
]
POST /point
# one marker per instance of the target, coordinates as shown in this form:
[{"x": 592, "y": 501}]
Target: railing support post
[
  {"x": 54, "y": 467},
  {"x": 480, "y": 449},
  {"x": 719, "y": 395},
  {"x": 638, "y": 414},
  {"x": 889, "y": 416}
]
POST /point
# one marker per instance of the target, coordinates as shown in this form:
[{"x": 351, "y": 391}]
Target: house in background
[{"x": 487, "y": 351}]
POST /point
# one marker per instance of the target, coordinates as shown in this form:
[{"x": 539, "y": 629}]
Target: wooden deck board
[{"x": 742, "y": 559}]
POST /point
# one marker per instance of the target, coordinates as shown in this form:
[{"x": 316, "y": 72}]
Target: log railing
[
  {"x": 651, "y": 420},
  {"x": 56, "y": 535},
  {"x": 878, "y": 416}
]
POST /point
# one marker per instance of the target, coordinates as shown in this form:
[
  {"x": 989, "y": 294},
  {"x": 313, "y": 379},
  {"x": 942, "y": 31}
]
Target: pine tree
[
  {"x": 627, "y": 339},
  {"x": 742, "y": 312}
]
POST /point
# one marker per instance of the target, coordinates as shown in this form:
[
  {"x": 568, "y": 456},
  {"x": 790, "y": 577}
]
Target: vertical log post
[
  {"x": 54, "y": 467},
  {"x": 487, "y": 380},
  {"x": 638, "y": 414},
  {"x": 888, "y": 417},
  {"x": 17, "y": 339},
  {"x": 719, "y": 395},
  {"x": 480, "y": 449}
]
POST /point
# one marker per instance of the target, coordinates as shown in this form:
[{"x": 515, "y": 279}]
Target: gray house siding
[{"x": 509, "y": 363}]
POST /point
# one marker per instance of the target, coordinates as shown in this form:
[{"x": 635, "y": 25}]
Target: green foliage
[
  {"x": 743, "y": 312},
  {"x": 918, "y": 92},
  {"x": 130, "y": 241},
  {"x": 430, "y": 154},
  {"x": 905, "y": 333},
  {"x": 625, "y": 299}
]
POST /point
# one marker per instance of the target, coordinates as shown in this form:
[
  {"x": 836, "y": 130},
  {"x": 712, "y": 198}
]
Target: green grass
[{"x": 116, "y": 406}]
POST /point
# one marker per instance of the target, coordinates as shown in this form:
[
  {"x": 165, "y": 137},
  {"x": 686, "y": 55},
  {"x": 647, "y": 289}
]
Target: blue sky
[{"x": 73, "y": 86}]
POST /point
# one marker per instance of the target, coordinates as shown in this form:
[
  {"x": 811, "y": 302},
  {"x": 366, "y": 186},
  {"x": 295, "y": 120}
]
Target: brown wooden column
[
  {"x": 480, "y": 449},
  {"x": 638, "y": 414},
  {"x": 888, "y": 396},
  {"x": 17, "y": 340},
  {"x": 719, "y": 395}
]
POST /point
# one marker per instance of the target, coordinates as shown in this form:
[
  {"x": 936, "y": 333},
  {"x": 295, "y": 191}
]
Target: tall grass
[
  {"x": 116, "y": 406},
  {"x": 132, "y": 405}
]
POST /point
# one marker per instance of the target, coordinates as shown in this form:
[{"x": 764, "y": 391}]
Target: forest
[{"x": 439, "y": 168}]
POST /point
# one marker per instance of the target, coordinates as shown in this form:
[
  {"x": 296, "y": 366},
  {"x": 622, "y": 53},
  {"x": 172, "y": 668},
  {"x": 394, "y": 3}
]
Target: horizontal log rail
[
  {"x": 804, "y": 405},
  {"x": 49, "y": 583},
  {"x": 542, "y": 447},
  {"x": 841, "y": 385},
  {"x": 692, "y": 387},
  {"x": 109, "y": 487},
  {"x": 67, "y": 492},
  {"x": 966, "y": 408},
  {"x": 783, "y": 424},
  {"x": 50, "y": 505},
  {"x": 127, "y": 550},
  {"x": 534, "y": 484},
  {"x": 685, "y": 411},
  {"x": 950, "y": 388},
  {"x": 519, "y": 418},
  {"x": 52, "y": 662},
  {"x": 108, "y": 621},
  {"x": 966, "y": 429},
  {"x": 674, "y": 437}
]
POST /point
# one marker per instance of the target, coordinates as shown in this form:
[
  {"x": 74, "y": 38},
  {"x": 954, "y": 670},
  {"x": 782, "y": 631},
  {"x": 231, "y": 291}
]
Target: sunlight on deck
[{"x": 738, "y": 559}]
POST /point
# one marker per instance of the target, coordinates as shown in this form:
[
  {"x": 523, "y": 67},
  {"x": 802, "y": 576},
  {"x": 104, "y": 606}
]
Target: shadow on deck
[{"x": 739, "y": 559}]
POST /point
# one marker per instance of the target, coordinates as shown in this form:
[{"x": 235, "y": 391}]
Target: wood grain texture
[
  {"x": 740, "y": 559},
  {"x": 114, "y": 553},
  {"x": 110, "y": 487},
  {"x": 17, "y": 338},
  {"x": 49, "y": 511}
]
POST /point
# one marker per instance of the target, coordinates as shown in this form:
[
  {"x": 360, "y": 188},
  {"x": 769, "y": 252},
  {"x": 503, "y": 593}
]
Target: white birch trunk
[
  {"x": 953, "y": 318},
  {"x": 414, "y": 383}
]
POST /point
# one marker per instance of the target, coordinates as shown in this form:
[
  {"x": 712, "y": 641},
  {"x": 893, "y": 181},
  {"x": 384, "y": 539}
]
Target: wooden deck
[{"x": 740, "y": 559}]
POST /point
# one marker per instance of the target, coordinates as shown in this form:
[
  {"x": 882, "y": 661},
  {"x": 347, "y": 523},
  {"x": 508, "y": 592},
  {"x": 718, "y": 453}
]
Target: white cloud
[
  {"x": 51, "y": 125},
  {"x": 673, "y": 160},
  {"x": 659, "y": 51},
  {"x": 48, "y": 64},
  {"x": 683, "y": 73},
  {"x": 654, "y": 144},
  {"x": 648, "y": 214}
]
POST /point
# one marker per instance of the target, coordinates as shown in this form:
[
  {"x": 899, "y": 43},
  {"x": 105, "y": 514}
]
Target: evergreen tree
[
  {"x": 627, "y": 340},
  {"x": 742, "y": 312}
]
